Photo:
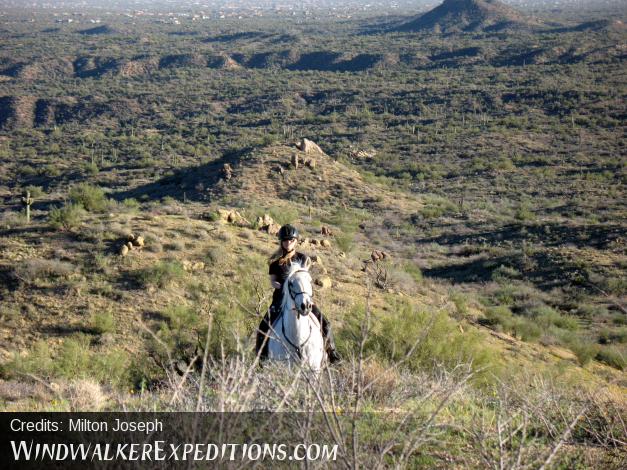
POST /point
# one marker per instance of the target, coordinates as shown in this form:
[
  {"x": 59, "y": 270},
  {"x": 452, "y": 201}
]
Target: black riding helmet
[{"x": 287, "y": 232}]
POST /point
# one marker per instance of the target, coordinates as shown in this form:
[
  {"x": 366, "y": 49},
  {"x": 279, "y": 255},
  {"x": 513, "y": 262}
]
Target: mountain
[{"x": 469, "y": 15}]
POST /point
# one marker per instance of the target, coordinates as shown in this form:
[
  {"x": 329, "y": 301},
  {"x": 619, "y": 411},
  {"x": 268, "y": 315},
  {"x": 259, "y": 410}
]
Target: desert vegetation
[{"x": 465, "y": 209}]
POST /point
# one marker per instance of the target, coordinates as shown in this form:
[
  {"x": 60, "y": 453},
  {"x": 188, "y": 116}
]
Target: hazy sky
[{"x": 392, "y": 5}]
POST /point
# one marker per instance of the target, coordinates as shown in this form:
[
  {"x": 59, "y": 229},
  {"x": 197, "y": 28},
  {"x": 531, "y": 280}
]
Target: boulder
[
  {"x": 267, "y": 224},
  {"x": 324, "y": 282},
  {"x": 311, "y": 163},
  {"x": 227, "y": 171},
  {"x": 129, "y": 245},
  {"x": 273, "y": 229},
  {"x": 232, "y": 217},
  {"x": 378, "y": 255},
  {"x": 325, "y": 243},
  {"x": 326, "y": 231},
  {"x": 124, "y": 250},
  {"x": 308, "y": 146},
  {"x": 139, "y": 241}
]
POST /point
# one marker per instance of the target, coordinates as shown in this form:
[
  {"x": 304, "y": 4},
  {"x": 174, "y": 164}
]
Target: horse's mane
[{"x": 294, "y": 267}]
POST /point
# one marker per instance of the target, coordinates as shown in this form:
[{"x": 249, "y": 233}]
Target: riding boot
[{"x": 327, "y": 334}]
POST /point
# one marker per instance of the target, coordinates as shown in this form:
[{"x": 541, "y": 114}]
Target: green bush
[
  {"x": 610, "y": 336},
  {"x": 103, "y": 322},
  {"x": 524, "y": 212},
  {"x": 503, "y": 273},
  {"x": 499, "y": 315},
  {"x": 161, "y": 274},
  {"x": 436, "y": 206},
  {"x": 506, "y": 294},
  {"x": 67, "y": 217},
  {"x": 611, "y": 356},
  {"x": 75, "y": 359},
  {"x": 525, "y": 329},
  {"x": 131, "y": 204},
  {"x": 180, "y": 333},
  {"x": 395, "y": 332},
  {"x": 584, "y": 349},
  {"x": 345, "y": 241},
  {"x": 35, "y": 191},
  {"x": 92, "y": 198},
  {"x": 545, "y": 317},
  {"x": 414, "y": 271}
]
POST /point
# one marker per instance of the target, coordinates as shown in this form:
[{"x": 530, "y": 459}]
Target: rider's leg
[
  {"x": 264, "y": 326},
  {"x": 327, "y": 334},
  {"x": 262, "y": 331}
]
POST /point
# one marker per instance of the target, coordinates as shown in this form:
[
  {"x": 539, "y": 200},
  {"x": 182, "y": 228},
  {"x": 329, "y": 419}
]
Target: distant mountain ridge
[{"x": 468, "y": 15}]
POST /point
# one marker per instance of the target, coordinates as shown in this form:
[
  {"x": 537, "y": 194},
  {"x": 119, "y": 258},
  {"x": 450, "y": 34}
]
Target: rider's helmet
[{"x": 287, "y": 231}]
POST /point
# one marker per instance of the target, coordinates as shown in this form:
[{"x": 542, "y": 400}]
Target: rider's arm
[{"x": 273, "y": 281}]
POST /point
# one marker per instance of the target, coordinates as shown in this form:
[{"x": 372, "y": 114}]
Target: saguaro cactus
[{"x": 27, "y": 201}]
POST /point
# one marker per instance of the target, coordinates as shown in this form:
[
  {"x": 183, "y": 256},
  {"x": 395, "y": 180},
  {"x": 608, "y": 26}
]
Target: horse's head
[{"x": 298, "y": 287}]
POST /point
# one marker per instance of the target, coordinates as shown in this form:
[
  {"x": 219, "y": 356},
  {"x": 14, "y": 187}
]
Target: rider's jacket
[{"x": 280, "y": 271}]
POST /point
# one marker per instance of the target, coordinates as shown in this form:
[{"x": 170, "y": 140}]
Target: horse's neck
[{"x": 296, "y": 326}]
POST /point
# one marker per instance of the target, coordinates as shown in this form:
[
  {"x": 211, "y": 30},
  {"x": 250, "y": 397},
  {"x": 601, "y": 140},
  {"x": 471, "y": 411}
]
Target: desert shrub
[
  {"x": 525, "y": 330},
  {"x": 610, "y": 336},
  {"x": 280, "y": 215},
  {"x": 499, "y": 315},
  {"x": 612, "y": 356},
  {"x": 31, "y": 270},
  {"x": 131, "y": 204},
  {"x": 501, "y": 318},
  {"x": 67, "y": 217},
  {"x": 179, "y": 332},
  {"x": 616, "y": 285},
  {"x": 439, "y": 340},
  {"x": 161, "y": 274},
  {"x": 524, "y": 212},
  {"x": 414, "y": 271},
  {"x": 75, "y": 360},
  {"x": 506, "y": 294},
  {"x": 91, "y": 198},
  {"x": 436, "y": 206},
  {"x": 91, "y": 168},
  {"x": 401, "y": 279},
  {"x": 584, "y": 349},
  {"x": 345, "y": 241},
  {"x": 35, "y": 191},
  {"x": 103, "y": 322},
  {"x": 591, "y": 311},
  {"x": 215, "y": 256},
  {"x": 175, "y": 245},
  {"x": 379, "y": 380},
  {"x": 502, "y": 273},
  {"x": 545, "y": 317},
  {"x": 347, "y": 220}
]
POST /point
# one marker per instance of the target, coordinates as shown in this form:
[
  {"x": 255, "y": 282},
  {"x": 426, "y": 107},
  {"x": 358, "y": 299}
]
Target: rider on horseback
[{"x": 279, "y": 267}]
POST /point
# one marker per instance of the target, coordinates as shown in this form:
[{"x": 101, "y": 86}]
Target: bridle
[{"x": 289, "y": 286}]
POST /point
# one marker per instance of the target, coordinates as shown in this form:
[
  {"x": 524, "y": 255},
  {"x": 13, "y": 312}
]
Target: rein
[{"x": 297, "y": 348}]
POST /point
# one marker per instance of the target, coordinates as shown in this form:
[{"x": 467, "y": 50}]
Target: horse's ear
[{"x": 307, "y": 263}]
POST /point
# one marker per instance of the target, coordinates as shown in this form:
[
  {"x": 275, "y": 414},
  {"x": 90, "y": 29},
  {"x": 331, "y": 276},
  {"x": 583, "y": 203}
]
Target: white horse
[{"x": 296, "y": 336}]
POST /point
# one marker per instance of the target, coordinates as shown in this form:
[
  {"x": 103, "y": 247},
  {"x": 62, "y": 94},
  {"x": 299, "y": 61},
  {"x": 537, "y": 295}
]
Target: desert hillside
[{"x": 458, "y": 181}]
